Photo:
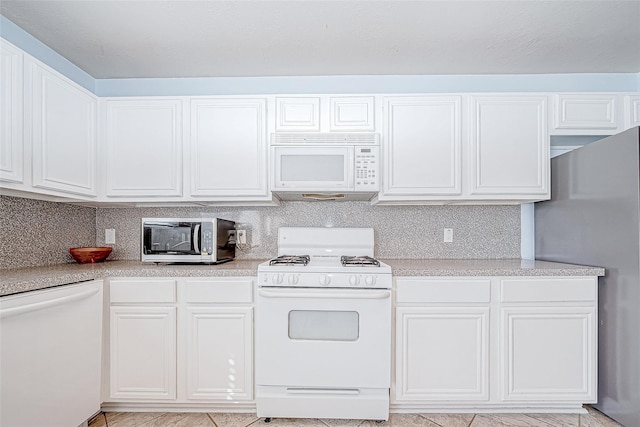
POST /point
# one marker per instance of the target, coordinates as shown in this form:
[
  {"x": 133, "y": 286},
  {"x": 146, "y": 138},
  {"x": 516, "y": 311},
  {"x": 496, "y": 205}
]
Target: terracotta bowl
[{"x": 89, "y": 255}]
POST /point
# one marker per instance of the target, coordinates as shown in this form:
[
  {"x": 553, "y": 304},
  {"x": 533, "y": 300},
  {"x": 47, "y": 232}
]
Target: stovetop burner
[
  {"x": 290, "y": 260},
  {"x": 359, "y": 260}
]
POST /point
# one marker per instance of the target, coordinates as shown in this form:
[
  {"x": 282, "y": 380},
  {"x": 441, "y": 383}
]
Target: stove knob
[
  {"x": 324, "y": 280},
  {"x": 370, "y": 280},
  {"x": 354, "y": 280},
  {"x": 293, "y": 279},
  {"x": 277, "y": 278}
]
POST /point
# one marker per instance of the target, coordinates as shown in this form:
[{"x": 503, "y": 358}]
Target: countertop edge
[{"x": 15, "y": 281}]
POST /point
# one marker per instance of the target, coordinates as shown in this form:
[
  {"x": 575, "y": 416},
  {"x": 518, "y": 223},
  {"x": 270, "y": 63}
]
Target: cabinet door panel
[
  {"x": 63, "y": 132},
  {"x": 219, "y": 353},
  {"x": 632, "y": 107},
  {"x": 442, "y": 354},
  {"x": 144, "y": 147},
  {"x": 422, "y": 146},
  {"x": 352, "y": 113},
  {"x": 143, "y": 352},
  {"x": 549, "y": 354},
  {"x": 298, "y": 114},
  {"x": 11, "y": 120},
  {"x": 509, "y": 146},
  {"x": 588, "y": 113},
  {"x": 228, "y": 147}
]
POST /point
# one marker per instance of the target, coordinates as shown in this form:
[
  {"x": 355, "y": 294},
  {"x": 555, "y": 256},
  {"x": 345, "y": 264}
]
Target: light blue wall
[
  {"x": 370, "y": 84},
  {"x": 629, "y": 82},
  {"x": 34, "y": 47}
]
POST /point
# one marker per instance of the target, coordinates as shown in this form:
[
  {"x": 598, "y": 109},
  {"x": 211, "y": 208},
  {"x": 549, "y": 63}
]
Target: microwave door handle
[{"x": 196, "y": 238}]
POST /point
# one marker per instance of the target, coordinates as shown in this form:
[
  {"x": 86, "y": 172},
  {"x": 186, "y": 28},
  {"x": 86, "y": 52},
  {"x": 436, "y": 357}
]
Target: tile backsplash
[
  {"x": 35, "y": 232},
  {"x": 401, "y": 231}
]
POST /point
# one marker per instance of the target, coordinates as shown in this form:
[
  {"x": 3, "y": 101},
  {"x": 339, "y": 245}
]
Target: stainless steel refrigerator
[{"x": 593, "y": 218}]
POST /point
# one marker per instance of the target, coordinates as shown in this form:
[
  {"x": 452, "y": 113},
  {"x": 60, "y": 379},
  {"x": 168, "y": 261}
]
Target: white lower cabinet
[
  {"x": 548, "y": 331},
  {"x": 444, "y": 353},
  {"x": 142, "y": 339},
  {"x": 180, "y": 342},
  {"x": 495, "y": 343},
  {"x": 219, "y": 339}
]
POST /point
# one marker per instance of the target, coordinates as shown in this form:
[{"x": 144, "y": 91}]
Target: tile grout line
[
  {"x": 472, "y": 419},
  {"x": 211, "y": 418}
]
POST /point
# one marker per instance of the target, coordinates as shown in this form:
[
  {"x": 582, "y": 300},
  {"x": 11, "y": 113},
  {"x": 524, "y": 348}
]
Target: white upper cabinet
[
  {"x": 298, "y": 114},
  {"x": 586, "y": 114},
  {"x": 632, "y": 109},
  {"x": 11, "y": 120},
  {"x": 61, "y": 125},
  {"x": 325, "y": 113},
  {"x": 509, "y": 147},
  {"x": 351, "y": 114},
  {"x": 421, "y": 147},
  {"x": 143, "y": 142},
  {"x": 229, "y": 149}
]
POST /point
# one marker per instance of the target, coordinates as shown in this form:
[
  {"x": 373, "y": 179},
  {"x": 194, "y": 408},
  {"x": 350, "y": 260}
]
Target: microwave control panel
[
  {"x": 206, "y": 233},
  {"x": 367, "y": 169}
]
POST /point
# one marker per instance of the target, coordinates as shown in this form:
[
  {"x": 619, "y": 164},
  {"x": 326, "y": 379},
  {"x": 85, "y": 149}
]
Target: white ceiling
[{"x": 128, "y": 39}]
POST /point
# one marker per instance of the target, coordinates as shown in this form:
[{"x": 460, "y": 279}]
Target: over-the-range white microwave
[{"x": 325, "y": 166}]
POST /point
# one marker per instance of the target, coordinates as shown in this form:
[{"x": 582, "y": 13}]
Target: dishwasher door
[{"x": 50, "y": 356}]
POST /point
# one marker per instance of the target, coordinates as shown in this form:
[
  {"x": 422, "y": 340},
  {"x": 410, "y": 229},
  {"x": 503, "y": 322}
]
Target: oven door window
[{"x": 316, "y": 325}]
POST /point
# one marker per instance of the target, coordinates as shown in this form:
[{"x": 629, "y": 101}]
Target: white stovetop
[{"x": 325, "y": 264}]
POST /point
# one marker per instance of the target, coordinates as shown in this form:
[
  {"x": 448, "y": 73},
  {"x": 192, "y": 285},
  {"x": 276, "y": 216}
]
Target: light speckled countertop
[
  {"x": 18, "y": 280},
  {"x": 487, "y": 267}
]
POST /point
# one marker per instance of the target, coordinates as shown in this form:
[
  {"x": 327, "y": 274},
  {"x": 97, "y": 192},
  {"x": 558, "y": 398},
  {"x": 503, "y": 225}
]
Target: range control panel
[{"x": 367, "y": 169}]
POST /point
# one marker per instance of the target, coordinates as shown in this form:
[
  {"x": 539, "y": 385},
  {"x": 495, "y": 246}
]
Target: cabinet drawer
[
  {"x": 443, "y": 290},
  {"x": 550, "y": 289},
  {"x": 142, "y": 291},
  {"x": 225, "y": 290}
]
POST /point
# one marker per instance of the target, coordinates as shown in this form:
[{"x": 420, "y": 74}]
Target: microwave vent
[{"x": 326, "y": 138}]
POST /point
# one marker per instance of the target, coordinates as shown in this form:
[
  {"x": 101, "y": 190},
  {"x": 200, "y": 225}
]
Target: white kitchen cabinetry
[
  {"x": 61, "y": 130},
  {"x": 177, "y": 342},
  {"x": 229, "y": 156},
  {"x": 219, "y": 339},
  {"x": 586, "y": 114},
  {"x": 509, "y": 147},
  {"x": 142, "y": 341},
  {"x": 11, "y": 113},
  {"x": 422, "y": 148},
  {"x": 442, "y": 340},
  {"x": 516, "y": 343},
  {"x": 632, "y": 110},
  {"x": 548, "y": 330},
  {"x": 323, "y": 113},
  {"x": 143, "y": 143},
  {"x": 50, "y": 356}
]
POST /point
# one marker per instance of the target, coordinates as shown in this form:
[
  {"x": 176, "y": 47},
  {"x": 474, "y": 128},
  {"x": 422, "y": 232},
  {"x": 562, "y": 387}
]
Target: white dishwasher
[{"x": 50, "y": 356}]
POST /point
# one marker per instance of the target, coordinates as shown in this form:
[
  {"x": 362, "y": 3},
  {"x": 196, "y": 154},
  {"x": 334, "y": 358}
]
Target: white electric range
[{"x": 323, "y": 327}]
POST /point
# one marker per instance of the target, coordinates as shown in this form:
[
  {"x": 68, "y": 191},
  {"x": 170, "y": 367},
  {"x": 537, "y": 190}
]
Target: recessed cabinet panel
[
  {"x": 298, "y": 114},
  {"x": 143, "y": 352},
  {"x": 11, "y": 118},
  {"x": 63, "y": 132},
  {"x": 220, "y": 353},
  {"x": 633, "y": 111},
  {"x": 422, "y": 146},
  {"x": 229, "y": 148},
  {"x": 442, "y": 354},
  {"x": 509, "y": 146},
  {"x": 549, "y": 354},
  {"x": 586, "y": 112},
  {"x": 354, "y": 113},
  {"x": 144, "y": 147}
]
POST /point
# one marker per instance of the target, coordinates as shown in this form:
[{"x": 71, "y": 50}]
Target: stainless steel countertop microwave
[{"x": 188, "y": 240}]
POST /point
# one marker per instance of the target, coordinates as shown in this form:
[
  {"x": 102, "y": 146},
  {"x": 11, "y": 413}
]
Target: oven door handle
[{"x": 342, "y": 295}]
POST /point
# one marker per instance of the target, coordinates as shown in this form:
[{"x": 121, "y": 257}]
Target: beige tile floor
[{"x": 172, "y": 419}]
